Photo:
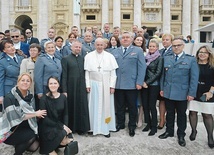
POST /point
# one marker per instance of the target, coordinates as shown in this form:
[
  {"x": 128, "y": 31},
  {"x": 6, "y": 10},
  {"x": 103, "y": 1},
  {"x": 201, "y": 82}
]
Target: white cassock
[{"x": 100, "y": 76}]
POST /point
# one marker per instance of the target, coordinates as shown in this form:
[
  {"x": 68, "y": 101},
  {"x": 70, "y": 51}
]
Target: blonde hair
[
  {"x": 168, "y": 34},
  {"x": 154, "y": 41},
  {"x": 21, "y": 75}
]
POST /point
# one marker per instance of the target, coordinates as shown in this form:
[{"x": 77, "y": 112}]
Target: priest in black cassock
[{"x": 74, "y": 86}]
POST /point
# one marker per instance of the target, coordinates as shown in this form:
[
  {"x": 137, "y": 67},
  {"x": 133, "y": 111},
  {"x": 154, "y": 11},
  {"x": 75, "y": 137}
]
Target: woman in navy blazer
[
  {"x": 9, "y": 68},
  {"x": 46, "y": 65}
]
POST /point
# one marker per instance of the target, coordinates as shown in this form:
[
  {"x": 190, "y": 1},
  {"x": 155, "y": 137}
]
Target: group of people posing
[{"x": 86, "y": 87}]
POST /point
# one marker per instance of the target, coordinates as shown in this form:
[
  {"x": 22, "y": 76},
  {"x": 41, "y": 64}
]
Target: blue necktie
[
  {"x": 124, "y": 51},
  {"x": 176, "y": 58},
  {"x": 14, "y": 58}
]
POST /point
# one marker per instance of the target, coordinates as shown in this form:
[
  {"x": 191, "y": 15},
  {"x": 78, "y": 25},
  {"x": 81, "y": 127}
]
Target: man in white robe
[{"x": 100, "y": 78}]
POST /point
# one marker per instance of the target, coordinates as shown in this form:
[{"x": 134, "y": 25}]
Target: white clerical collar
[{"x": 17, "y": 45}]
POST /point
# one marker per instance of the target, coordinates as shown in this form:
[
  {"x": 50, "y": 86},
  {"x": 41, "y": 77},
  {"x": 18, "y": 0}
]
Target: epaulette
[{"x": 189, "y": 55}]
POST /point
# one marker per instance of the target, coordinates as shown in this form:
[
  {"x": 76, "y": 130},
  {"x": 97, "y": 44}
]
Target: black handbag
[{"x": 71, "y": 148}]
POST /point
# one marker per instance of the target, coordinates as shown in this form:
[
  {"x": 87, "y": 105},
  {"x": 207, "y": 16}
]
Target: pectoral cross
[{"x": 99, "y": 68}]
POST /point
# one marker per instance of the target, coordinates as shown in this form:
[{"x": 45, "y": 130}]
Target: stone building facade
[{"x": 179, "y": 17}]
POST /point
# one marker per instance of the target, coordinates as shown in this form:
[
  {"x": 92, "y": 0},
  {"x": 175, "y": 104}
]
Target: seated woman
[
  {"x": 53, "y": 128},
  {"x": 20, "y": 116}
]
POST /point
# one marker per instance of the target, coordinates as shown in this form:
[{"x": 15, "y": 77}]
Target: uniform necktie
[
  {"x": 176, "y": 58},
  {"x": 54, "y": 59},
  {"x": 164, "y": 51},
  {"x": 14, "y": 58},
  {"x": 89, "y": 44},
  {"x": 124, "y": 51},
  {"x": 107, "y": 35}
]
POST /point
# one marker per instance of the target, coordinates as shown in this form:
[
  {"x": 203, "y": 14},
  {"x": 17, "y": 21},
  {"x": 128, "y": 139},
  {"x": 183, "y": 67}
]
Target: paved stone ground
[{"x": 120, "y": 143}]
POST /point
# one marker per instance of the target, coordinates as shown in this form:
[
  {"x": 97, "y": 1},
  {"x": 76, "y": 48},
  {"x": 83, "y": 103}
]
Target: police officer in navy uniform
[
  {"x": 9, "y": 68},
  {"x": 178, "y": 85},
  {"x": 130, "y": 78}
]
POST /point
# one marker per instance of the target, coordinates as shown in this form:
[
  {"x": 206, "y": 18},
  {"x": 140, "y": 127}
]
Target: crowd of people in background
[{"x": 86, "y": 84}]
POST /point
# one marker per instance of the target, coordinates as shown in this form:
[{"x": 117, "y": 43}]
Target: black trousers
[
  {"x": 129, "y": 98},
  {"x": 180, "y": 107},
  {"x": 149, "y": 99}
]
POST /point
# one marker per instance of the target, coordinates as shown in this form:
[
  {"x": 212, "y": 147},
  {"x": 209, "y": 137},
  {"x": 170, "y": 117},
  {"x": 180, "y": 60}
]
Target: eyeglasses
[
  {"x": 28, "y": 33},
  {"x": 201, "y": 52},
  {"x": 179, "y": 45},
  {"x": 14, "y": 36}
]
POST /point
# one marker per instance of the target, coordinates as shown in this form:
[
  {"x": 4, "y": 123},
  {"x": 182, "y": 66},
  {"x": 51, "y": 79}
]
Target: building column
[
  {"x": 105, "y": 11},
  {"x": 166, "y": 16},
  {"x": 42, "y": 28},
  {"x": 195, "y": 22},
  {"x": 5, "y": 15},
  {"x": 116, "y": 13},
  {"x": 76, "y": 14},
  {"x": 186, "y": 16},
  {"x": 137, "y": 12}
]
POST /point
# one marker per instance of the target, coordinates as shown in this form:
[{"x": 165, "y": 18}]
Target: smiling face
[
  {"x": 34, "y": 52},
  {"x": 113, "y": 41},
  {"x": 53, "y": 85},
  {"x": 99, "y": 45},
  {"x": 9, "y": 49},
  {"x": 50, "y": 48},
  {"x": 177, "y": 46},
  {"x": 152, "y": 47},
  {"x": 138, "y": 41},
  {"x": 24, "y": 82},
  {"x": 203, "y": 55},
  {"x": 166, "y": 41},
  {"x": 76, "y": 47},
  {"x": 59, "y": 42}
]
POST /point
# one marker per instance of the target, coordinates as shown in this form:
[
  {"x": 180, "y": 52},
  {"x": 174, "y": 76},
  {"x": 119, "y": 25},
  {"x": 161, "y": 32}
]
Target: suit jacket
[
  {"x": 132, "y": 67},
  {"x": 164, "y": 53},
  {"x": 86, "y": 48},
  {"x": 27, "y": 65},
  {"x": 65, "y": 51},
  {"x": 180, "y": 78},
  {"x": 32, "y": 40},
  {"x": 9, "y": 72},
  {"x": 25, "y": 48},
  {"x": 44, "y": 68}
]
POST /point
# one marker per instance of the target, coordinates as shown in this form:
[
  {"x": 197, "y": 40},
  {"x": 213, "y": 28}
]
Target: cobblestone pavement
[{"x": 120, "y": 143}]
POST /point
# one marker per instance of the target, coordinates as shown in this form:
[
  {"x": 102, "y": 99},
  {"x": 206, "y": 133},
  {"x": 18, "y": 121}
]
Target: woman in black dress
[
  {"x": 53, "y": 128},
  {"x": 204, "y": 101},
  {"x": 20, "y": 117}
]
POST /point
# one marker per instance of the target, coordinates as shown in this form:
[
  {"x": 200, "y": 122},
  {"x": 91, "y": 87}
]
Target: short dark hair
[
  {"x": 7, "y": 31},
  {"x": 144, "y": 27},
  {"x": 58, "y": 37},
  {"x": 2, "y": 33},
  {"x": 35, "y": 45},
  {"x": 3, "y": 42}
]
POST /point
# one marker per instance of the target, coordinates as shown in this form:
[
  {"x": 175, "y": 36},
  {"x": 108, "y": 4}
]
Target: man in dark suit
[
  {"x": 130, "y": 78},
  {"x": 29, "y": 37},
  {"x": 15, "y": 37},
  {"x": 178, "y": 85}
]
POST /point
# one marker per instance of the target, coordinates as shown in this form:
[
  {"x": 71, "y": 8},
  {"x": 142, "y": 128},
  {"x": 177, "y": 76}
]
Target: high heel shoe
[
  {"x": 193, "y": 135},
  {"x": 160, "y": 127}
]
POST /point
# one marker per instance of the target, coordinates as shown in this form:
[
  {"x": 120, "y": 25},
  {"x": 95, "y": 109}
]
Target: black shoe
[
  {"x": 165, "y": 135},
  {"x": 211, "y": 145},
  {"x": 131, "y": 132},
  {"x": 107, "y": 136},
  {"x": 118, "y": 127},
  {"x": 181, "y": 141},
  {"x": 90, "y": 133},
  {"x": 193, "y": 135},
  {"x": 160, "y": 127},
  {"x": 152, "y": 132},
  {"x": 146, "y": 128}
]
